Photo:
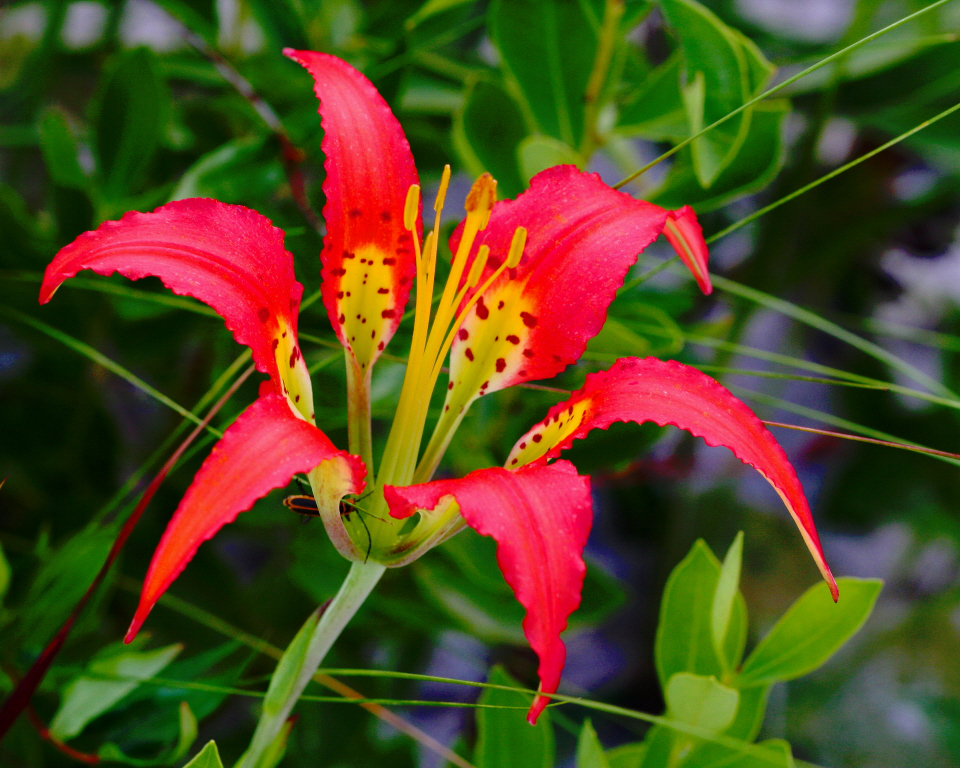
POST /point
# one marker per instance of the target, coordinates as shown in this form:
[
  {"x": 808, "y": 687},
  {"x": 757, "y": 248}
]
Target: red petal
[
  {"x": 672, "y": 393},
  {"x": 686, "y": 236},
  {"x": 535, "y": 320},
  {"x": 540, "y": 517},
  {"x": 227, "y": 256},
  {"x": 261, "y": 451},
  {"x": 369, "y": 170}
]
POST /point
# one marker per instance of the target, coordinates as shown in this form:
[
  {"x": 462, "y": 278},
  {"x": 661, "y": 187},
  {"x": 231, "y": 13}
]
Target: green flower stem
[{"x": 361, "y": 579}]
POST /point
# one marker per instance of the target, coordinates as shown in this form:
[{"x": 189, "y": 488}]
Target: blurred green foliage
[{"x": 107, "y": 107}]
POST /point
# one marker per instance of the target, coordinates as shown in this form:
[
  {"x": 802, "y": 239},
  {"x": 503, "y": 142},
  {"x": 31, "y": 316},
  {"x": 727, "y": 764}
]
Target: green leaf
[
  {"x": 589, "y": 750},
  {"x": 750, "y": 712},
  {"x": 289, "y": 667},
  {"x": 109, "y": 678},
  {"x": 188, "y": 734},
  {"x": 724, "y": 596},
  {"x": 627, "y": 755},
  {"x": 656, "y": 110},
  {"x": 487, "y": 133},
  {"x": 504, "y": 737},
  {"x": 129, "y": 122},
  {"x": 536, "y": 153},
  {"x": 432, "y": 7},
  {"x": 767, "y": 754},
  {"x": 278, "y": 748},
  {"x": 548, "y": 48},
  {"x": 684, "y": 641},
  {"x": 717, "y": 81},
  {"x": 208, "y": 757},
  {"x": 750, "y": 171},
  {"x": 701, "y": 701},
  {"x": 238, "y": 171},
  {"x": 61, "y": 153},
  {"x": 811, "y": 631}
]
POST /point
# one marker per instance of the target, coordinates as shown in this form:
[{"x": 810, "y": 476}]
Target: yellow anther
[
  {"x": 516, "y": 247},
  {"x": 479, "y": 264},
  {"x": 482, "y": 196},
  {"x": 442, "y": 192},
  {"x": 411, "y": 208}
]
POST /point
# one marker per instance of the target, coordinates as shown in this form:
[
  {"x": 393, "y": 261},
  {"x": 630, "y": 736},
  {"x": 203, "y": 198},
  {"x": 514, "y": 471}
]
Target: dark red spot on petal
[
  {"x": 297, "y": 399},
  {"x": 523, "y": 445},
  {"x": 404, "y": 237},
  {"x": 276, "y": 343},
  {"x": 380, "y": 346},
  {"x": 343, "y": 318},
  {"x": 482, "y": 312},
  {"x": 388, "y": 313},
  {"x": 528, "y": 353},
  {"x": 450, "y": 385},
  {"x": 339, "y": 294},
  {"x": 513, "y": 339},
  {"x": 389, "y": 261},
  {"x": 263, "y": 314},
  {"x": 354, "y": 213},
  {"x": 537, "y": 438},
  {"x": 469, "y": 354},
  {"x": 383, "y": 290},
  {"x": 464, "y": 334},
  {"x": 512, "y": 273},
  {"x": 349, "y": 255},
  {"x": 500, "y": 305},
  {"x": 373, "y": 334},
  {"x": 385, "y": 216},
  {"x": 528, "y": 320},
  {"x": 294, "y": 356},
  {"x": 501, "y": 364}
]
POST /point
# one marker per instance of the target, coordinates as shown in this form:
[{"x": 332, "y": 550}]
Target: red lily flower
[{"x": 530, "y": 283}]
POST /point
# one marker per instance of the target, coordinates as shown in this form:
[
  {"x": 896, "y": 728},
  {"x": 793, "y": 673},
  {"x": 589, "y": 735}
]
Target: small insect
[{"x": 307, "y": 506}]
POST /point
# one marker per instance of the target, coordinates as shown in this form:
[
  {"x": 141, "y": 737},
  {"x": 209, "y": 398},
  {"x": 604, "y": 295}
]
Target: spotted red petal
[
  {"x": 540, "y": 517},
  {"x": 686, "y": 236},
  {"x": 262, "y": 450},
  {"x": 672, "y": 393},
  {"x": 535, "y": 320},
  {"x": 227, "y": 256},
  {"x": 368, "y": 256}
]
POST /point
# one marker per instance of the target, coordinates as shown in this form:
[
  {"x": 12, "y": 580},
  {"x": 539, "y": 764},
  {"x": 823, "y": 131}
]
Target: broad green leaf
[
  {"x": 684, "y": 641},
  {"x": 431, "y": 7},
  {"x": 717, "y": 81},
  {"x": 487, "y": 132},
  {"x": 627, "y": 755},
  {"x": 589, "y": 750},
  {"x": 701, "y": 701},
  {"x": 61, "y": 152},
  {"x": 187, "y": 735},
  {"x": 504, "y": 737},
  {"x": 638, "y": 329},
  {"x": 774, "y": 753},
  {"x": 655, "y": 110},
  {"x": 548, "y": 48},
  {"x": 240, "y": 170},
  {"x": 811, "y": 631},
  {"x": 107, "y": 679},
  {"x": 289, "y": 667},
  {"x": 750, "y": 171},
  {"x": 750, "y": 713},
  {"x": 208, "y": 757},
  {"x": 536, "y": 153},
  {"x": 64, "y": 575},
  {"x": 278, "y": 748},
  {"x": 128, "y": 122},
  {"x": 723, "y": 598}
]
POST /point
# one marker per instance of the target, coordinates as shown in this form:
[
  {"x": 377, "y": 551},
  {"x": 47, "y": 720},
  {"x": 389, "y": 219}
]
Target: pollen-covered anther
[
  {"x": 516, "y": 247},
  {"x": 412, "y": 207},
  {"x": 482, "y": 196}
]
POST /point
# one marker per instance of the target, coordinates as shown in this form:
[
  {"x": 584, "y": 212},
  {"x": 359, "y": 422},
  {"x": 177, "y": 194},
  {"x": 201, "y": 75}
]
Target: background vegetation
[{"x": 836, "y": 311}]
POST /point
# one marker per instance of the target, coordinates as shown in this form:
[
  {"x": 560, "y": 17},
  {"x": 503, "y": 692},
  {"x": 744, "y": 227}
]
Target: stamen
[
  {"x": 442, "y": 192},
  {"x": 482, "y": 196},
  {"x": 412, "y": 207},
  {"x": 516, "y": 247},
  {"x": 479, "y": 264}
]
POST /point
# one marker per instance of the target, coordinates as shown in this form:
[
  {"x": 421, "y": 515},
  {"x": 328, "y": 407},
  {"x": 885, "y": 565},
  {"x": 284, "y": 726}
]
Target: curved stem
[{"x": 285, "y": 688}]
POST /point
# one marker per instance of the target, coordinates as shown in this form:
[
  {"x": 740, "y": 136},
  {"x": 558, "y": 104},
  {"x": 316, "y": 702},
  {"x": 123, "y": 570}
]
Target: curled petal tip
[{"x": 539, "y": 704}]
